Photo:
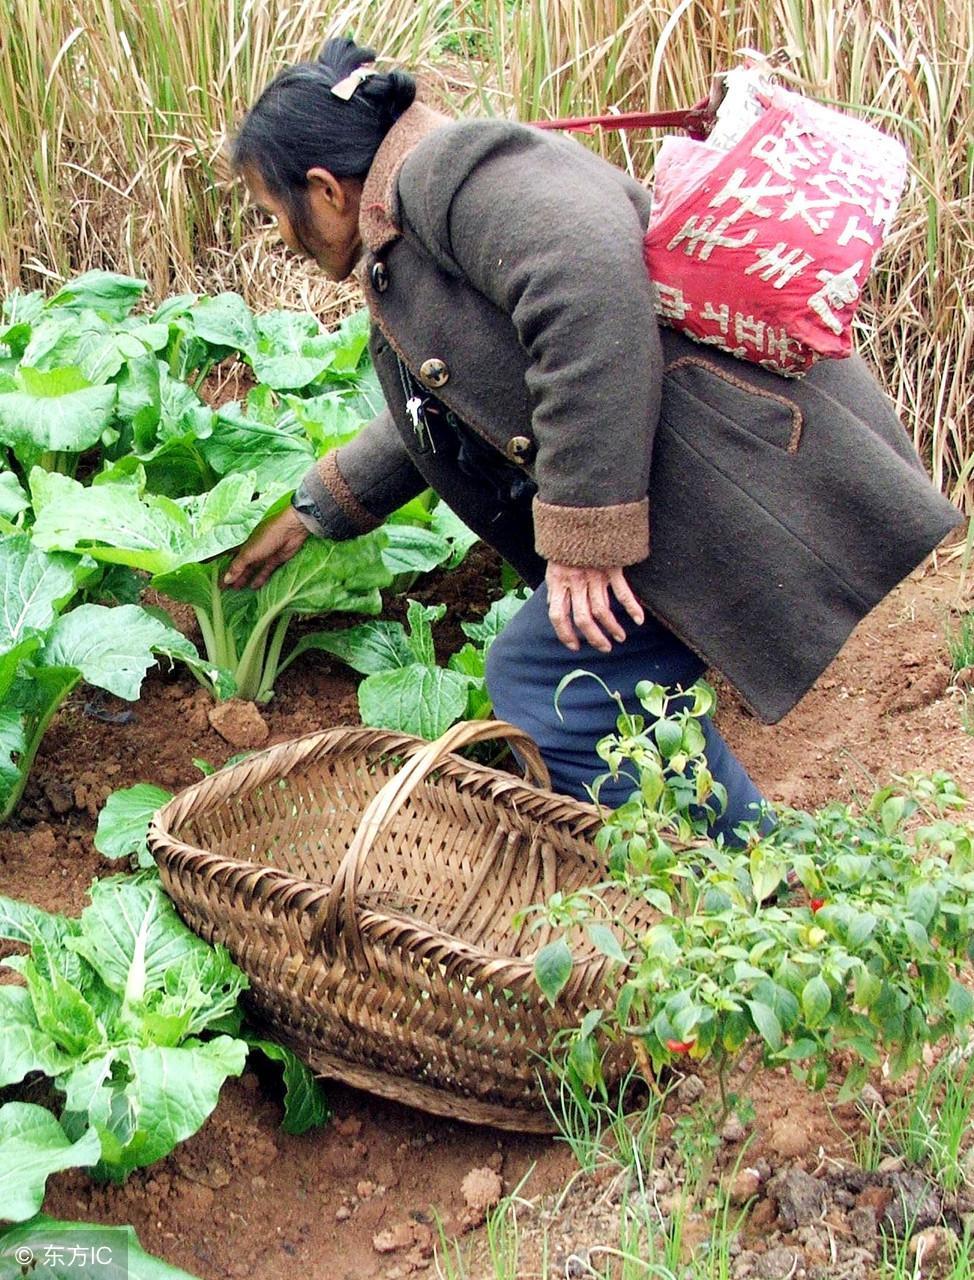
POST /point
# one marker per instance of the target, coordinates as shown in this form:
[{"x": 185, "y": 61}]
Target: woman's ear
[{"x": 325, "y": 187}]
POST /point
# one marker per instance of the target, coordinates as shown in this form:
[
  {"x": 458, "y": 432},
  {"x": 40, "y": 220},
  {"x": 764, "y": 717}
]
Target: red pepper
[
  {"x": 817, "y": 904},
  {"x": 680, "y": 1046}
]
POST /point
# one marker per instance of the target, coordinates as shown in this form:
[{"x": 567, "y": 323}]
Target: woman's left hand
[{"x": 579, "y": 602}]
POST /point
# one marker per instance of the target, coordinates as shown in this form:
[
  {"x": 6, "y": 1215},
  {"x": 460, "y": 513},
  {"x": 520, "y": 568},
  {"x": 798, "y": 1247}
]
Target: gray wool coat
[{"x": 760, "y": 518}]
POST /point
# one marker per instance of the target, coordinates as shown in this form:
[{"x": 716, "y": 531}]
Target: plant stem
[
  {"x": 26, "y": 761},
  {"x": 202, "y": 374},
  {"x": 174, "y": 355},
  {"x": 272, "y": 661},
  {"x": 644, "y": 1064},
  {"x": 225, "y": 651},
  {"x": 251, "y": 662},
  {"x": 209, "y": 639}
]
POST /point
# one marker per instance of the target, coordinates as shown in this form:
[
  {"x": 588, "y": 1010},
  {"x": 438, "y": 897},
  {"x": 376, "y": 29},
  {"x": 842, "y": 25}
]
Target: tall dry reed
[{"x": 113, "y": 116}]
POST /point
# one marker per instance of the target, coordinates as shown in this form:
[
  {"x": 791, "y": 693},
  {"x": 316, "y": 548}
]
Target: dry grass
[{"x": 113, "y": 117}]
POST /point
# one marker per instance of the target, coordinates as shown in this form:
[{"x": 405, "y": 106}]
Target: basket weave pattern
[{"x": 366, "y": 882}]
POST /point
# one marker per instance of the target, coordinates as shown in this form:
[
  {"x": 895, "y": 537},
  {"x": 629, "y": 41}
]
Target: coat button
[
  {"x": 380, "y": 277},
  {"x": 520, "y": 450},
  {"x": 434, "y": 373}
]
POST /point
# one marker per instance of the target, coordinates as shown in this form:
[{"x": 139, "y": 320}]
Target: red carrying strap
[{"x": 697, "y": 121}]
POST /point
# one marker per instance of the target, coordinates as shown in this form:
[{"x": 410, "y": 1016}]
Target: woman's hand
[
  {"x": 266, "y": 550},
  {"x": 578, "y": 601}
]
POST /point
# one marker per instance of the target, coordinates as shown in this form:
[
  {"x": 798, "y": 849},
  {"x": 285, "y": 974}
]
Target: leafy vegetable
[
  {"x": 447, "y": 524},
  {"x": 112, "y": 296},
  {"x": 122, "y": 524},
  {"x": 113, "y": 1008},
  {"x": 424, "y": 535},
  {"x": 404, "y": 688},
  {"x": 51, "y": 417},
  {"x": 33, "y": 1146},
  {"x": 287, "y": 350},
  {"x": 245, "y": 630},
  {"x": 117, "y": 1009},
  {"x": 304, "y": 1101},
  {"x": 82, "y": 373},
  {"x": 278, "y": 453},
  {"x": 123, "y": 822},
  {"x": 45, "y": 652}
]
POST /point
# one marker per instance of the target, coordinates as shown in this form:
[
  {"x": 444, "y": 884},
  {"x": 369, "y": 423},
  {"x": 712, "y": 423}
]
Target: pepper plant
[{"x": 841, "y": 935}]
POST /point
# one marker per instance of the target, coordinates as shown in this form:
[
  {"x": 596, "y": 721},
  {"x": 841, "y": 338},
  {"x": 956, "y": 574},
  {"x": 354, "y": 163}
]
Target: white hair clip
[{"x": 345, "y": 88}]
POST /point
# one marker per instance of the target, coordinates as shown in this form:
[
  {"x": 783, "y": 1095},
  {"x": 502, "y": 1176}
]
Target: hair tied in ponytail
[{"x": 346, "y": 87}]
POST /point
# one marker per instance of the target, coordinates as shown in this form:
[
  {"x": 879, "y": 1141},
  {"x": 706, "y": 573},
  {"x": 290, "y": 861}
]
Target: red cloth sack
[{"x": 762, "y": 236}]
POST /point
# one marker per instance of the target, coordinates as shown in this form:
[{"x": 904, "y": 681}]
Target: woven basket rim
[
  {"x": 269, "y": 881},
  {"x": 349, "y": 733}
]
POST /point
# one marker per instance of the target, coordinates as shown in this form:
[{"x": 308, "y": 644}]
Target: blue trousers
[{"x": 525, "y": 665}]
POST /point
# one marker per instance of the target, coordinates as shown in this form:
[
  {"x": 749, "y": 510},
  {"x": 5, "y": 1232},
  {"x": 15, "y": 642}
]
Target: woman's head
[{"x": 304, "y": 151}]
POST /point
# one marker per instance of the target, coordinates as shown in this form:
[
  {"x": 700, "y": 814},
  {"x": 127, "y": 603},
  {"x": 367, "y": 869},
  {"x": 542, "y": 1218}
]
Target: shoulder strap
[{"x": 697, "y": 120}]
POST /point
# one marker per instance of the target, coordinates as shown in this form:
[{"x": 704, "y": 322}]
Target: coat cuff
[
  {"x": 328, "y": 508},
  {"x": 592, "y": 537}
]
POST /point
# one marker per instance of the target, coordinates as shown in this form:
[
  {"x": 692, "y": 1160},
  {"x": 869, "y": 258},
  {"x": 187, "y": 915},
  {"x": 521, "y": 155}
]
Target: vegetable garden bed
[
  {"x": 123, "y": 661},
  {"x": 243, "y": 1198}
]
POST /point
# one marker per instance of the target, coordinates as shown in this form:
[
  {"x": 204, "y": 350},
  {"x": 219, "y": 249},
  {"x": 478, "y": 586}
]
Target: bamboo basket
[{"x": 367, "y": 882}]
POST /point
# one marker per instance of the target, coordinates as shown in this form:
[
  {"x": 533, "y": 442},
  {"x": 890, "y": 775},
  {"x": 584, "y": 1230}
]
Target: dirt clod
[
  {"x": 779, "y": 1264},
  {"x": 871, "y": 1098},
  {"x": 481, "y": 1189},
  {"x": 690, "y": 1090},
  {"x": 393, "y": 1238},
  {"x": 914, "y": 1204},
  {"x": 745, "y": 1184},
  {"x": 863, "y": 1224},
  {"x": 932, "y": 1246},
  {"x": 733, "y": 1130},
  {"x": 801, "y": 1198},
  {"x": 414, "y": 1236},
  {"x": 788, "y": 1138},
  {"x": 239, "y": 723},
  {"x": 926, "y": 688}
]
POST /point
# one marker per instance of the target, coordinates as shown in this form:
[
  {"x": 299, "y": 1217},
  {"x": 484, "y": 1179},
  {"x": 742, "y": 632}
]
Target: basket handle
[{"x": 338, "y": 909}]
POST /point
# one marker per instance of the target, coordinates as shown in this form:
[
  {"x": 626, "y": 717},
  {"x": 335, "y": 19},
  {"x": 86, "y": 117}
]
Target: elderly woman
[{"x": 672, "y": 507}]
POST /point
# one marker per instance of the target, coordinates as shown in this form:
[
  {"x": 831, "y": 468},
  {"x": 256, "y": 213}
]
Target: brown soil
[{"x": 358, "y": 1199}]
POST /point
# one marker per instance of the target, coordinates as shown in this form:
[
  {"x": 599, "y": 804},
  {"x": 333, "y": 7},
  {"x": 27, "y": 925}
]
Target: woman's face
[{"x": 331, "y": 235}]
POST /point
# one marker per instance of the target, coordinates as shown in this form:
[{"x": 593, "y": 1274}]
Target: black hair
[{"x": 298, "y": 124}]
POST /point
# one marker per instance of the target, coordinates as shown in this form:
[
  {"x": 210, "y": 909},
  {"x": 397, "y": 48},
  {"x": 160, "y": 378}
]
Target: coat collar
[{"x": 380, "y": 205}]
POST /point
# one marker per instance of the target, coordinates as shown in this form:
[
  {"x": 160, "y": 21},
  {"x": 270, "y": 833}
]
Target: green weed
[{"x": 960, "y": 643}]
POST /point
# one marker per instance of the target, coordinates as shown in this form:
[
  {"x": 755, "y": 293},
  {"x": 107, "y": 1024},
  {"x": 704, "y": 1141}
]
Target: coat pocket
[{"x": 695, "y": 390}]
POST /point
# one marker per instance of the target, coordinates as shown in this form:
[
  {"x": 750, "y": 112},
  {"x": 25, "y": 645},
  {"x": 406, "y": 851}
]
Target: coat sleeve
[
  {"x": 547, "y": 232},
  {"x": 352, "y": 489}
]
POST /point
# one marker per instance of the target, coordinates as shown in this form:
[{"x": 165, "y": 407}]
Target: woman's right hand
[{"x": 267, "y": 548}]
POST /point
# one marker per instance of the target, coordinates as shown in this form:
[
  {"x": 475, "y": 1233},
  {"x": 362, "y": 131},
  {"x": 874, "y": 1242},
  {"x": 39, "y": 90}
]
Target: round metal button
[
  {"x": 380, "y": 277},
  {"x": 520, "y": 450},
  {"x": 434, "y": 373}
]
